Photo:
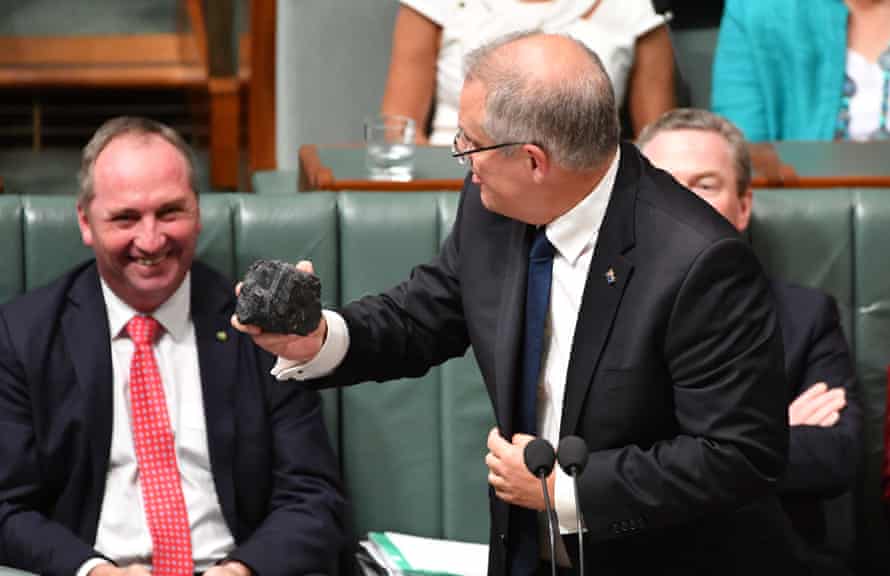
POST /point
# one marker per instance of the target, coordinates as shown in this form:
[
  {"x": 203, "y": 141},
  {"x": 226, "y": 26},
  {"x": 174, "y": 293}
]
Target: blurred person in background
[
  {"x": 804, "y": 69},
  {"x": 432, "y": 37}
]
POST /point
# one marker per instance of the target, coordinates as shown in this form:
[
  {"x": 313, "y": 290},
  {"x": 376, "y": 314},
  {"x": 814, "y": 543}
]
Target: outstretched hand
[{"x": 289, "y": 346}]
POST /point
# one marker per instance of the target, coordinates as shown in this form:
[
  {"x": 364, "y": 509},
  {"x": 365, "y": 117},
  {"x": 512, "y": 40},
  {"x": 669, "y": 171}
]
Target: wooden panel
[
  {"x": 102, "y": 61},
  {"x": 195, "y": 11},
  {"x": 29, "y": 51},
  {"x": 225, "y": 114},
  {"x": 261, "y": 96},
  {"x": 220, "y": 34}
]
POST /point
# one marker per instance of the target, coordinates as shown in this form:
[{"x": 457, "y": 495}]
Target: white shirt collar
[
  {"x": 572, "y": 232},
  {"x": 174, "y": 314}
]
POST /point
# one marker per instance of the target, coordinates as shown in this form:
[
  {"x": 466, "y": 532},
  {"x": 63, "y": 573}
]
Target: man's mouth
[{"x": 153, "y": 261}]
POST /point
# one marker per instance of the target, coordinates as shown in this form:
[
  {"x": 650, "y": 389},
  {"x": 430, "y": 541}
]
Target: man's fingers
[
  {"x": 806, "y": 408},
  {"x": 238, "y": 288},
  {"x": 305, "y": 266},
  {"x": 826, "y": 405},
  {"x": 496, "y": 443},
  {"x": 831, "y": 419},
  {"x": 246, "y": 328}
]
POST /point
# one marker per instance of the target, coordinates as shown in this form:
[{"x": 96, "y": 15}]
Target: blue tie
[{"x": 523, "y": 522}]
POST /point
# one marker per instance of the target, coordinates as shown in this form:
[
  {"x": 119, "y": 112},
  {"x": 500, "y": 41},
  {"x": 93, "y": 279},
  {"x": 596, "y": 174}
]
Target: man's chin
[{"x": 487, "y": 199}]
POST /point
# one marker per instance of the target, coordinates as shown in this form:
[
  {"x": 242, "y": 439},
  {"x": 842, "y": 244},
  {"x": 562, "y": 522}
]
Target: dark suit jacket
[
  {"x": 675, "y": 378},
  {"x": 822, "y": 462},
  {"x": 274, "y": 472}
]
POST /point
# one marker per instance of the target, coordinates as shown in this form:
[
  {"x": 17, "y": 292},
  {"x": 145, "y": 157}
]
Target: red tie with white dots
[{"x": 159, "y": 480}]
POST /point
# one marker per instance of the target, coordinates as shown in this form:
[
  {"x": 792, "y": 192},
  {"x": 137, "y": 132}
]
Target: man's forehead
[
  {"x": 140, "y": 157},
  {"x": 472, "y": 108}
]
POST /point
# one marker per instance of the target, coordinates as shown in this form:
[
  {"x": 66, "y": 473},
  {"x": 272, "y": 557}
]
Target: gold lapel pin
[
  {"x": 610, "y": 276},
  {"x": 222, "y": 336}
]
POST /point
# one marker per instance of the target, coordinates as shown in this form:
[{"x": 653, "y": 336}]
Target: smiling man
[
  {"x": 602, "y": 300},
  {"x": 139, "y": 433}
]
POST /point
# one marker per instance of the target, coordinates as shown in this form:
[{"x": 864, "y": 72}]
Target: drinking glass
[{"x": 390, "y": 146}]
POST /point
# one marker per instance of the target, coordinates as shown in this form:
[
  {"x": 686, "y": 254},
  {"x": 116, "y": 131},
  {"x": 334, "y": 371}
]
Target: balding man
[{"x": 601, "y": 300}]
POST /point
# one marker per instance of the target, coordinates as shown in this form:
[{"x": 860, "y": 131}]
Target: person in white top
[
  {"x": 432, "y": 37},
  {"x": 246, "y": 468}
]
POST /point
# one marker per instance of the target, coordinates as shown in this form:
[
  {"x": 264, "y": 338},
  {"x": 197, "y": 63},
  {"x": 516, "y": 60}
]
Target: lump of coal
[{"x": 279, "y": 298}]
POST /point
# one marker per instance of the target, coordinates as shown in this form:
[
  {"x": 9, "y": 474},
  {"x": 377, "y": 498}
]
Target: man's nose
[{"x": 149, "y": 238}]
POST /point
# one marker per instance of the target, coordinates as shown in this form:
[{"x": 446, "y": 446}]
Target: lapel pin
[
  {"x": 610, "y": 276},
  {"x": 222, "y": 336}
]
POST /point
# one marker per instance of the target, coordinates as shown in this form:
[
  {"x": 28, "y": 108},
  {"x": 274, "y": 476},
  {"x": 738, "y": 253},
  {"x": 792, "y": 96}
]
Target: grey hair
[
  {"x": 705, "y": 121},
  {"x": 127, "y": 125},
  {"x": 575, "y": 120}
]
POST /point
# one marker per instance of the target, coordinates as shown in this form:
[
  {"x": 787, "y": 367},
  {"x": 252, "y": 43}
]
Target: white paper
[{"x": 434, "y": 555}]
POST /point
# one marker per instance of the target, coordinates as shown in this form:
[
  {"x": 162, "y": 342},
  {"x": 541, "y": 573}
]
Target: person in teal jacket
[{"x": 780, "y": 69}]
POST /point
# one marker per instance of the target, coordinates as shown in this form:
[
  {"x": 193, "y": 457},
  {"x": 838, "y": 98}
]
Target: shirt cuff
[
  {"x": 332, "y": 352},
  {"x": 564, "y": 502},
  {"x": 89, "y": 565}
]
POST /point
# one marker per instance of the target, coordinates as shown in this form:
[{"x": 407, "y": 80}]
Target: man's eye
[
  {"x": 169, "y": 214},
  {"x": 706, "y": 185}
]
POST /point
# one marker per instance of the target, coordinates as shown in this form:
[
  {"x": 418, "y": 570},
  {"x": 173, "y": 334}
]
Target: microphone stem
[
  {"x": 580, "y": 524},
  {"x": 551, "y": 529}
]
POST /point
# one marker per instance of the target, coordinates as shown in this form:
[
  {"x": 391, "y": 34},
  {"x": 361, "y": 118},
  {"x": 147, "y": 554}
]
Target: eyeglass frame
[{"x": 463, "y": 157}]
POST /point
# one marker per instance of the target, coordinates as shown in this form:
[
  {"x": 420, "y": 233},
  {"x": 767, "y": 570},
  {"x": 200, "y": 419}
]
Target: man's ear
[
  {"x": 746, "y": 202},
  {"x": 539, "y": 161},
  {"x": 83, "y": 222}
]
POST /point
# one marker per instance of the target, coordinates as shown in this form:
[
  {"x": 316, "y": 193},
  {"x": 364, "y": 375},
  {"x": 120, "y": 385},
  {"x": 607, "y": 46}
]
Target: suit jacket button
[{"x": 503, "y": 538}]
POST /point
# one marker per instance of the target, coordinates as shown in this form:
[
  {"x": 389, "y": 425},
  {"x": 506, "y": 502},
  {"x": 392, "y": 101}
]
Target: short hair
[
  {"x": 121, "y": 126},
  {"x": 705, "y": 121},
  {"x": 575, "y": 120}
]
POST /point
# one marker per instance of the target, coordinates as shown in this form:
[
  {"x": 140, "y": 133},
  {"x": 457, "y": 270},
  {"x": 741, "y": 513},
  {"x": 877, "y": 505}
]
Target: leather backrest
[
  {"x": 871, "y": 217},
  {"x": 412, "y": 451}
]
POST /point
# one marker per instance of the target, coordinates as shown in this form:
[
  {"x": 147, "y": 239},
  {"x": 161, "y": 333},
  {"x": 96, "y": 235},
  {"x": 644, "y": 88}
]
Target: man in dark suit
[
  {"x": 136, "y": 427},
  {"x": 708, "y": 154},
  {"x": 655, "y": 341}
]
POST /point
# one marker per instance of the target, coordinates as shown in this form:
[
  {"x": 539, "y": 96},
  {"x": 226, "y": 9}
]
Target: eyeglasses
[{"x": 465, "y": 156}]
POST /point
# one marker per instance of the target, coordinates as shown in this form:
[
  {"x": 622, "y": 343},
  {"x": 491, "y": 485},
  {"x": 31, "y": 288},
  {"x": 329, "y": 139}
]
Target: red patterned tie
[{"x": 159, "y": 479}]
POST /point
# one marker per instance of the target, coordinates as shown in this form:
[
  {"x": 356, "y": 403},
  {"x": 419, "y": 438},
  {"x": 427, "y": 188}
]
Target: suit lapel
[
  {"x": 510, "y": 326},
  {"x": 85, "y": 332},
  {"x": 610, "y": 272},
  {"x": 218, "y": 361}
]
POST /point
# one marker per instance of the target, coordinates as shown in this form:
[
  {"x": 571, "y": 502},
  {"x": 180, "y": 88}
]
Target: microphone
[
  {"x": 539, "y": 459},
  {"x": 572, "y": 454}
]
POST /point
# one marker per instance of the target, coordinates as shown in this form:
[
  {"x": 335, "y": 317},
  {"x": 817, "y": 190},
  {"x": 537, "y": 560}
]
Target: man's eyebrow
[{"x": 707, "y": 173}]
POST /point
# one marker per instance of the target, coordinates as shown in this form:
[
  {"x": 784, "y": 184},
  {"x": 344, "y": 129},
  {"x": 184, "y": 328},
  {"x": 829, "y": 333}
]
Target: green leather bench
[{"x": 412, "y": 452}]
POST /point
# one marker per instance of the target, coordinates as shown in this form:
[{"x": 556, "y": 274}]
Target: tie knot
[
  {"x": 143, "y": 329},
  {"x": 541, "y": 246}
]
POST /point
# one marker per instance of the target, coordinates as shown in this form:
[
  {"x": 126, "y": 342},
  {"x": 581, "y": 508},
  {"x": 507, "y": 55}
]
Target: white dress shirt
[
  {"x": 574, "y": 235},
  {"x": 123, "y": 533}
]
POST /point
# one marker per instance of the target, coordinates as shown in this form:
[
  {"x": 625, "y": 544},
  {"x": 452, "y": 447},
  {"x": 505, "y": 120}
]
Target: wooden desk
[
  {"x": 776, "y": 165},
  {"x": 342, "y": 167},
  {"x": 821, "y": 164}
]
